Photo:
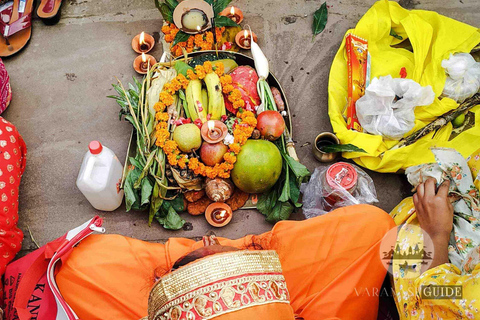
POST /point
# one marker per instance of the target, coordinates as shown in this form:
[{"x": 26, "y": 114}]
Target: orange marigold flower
[
  {"x": 238, "y": 104},
  {"x": 161, "y": 125},
  {"x": 166, "y": 98},
  {"x": 166, "y": 29},
  {"x": 191, "y": 74},
  {"x": 178, "y": 52},
  {"x": 198, "y": 39},
  {"x": 210, "y": 172},
  {"x": 200, "y": 70},
  {"x": 235, "y": 95},
  {"x": 170, "y": 146},
  {"x": 235, "y": 147},
  {"x": 229, "y": 157},
  {"x": 208, "y": 67},
  {"x": 182, "y": 162},
  {"x": 227, "y": 88},
  {"x": 226, "y": 79},
  {"x": 245, "y": 114},
  {"x": 219, "y": 68},
  {"x": 209, "y": 37},
  {"x": 159, "y": 106},
  {"x": 172, "y": 159},
  {"x": 251, "y": 121},
  {"x": 183, "y": 81},
  {"x": 169, "y": 38},
  {"x": 193, "y": 164},
  {"x": 162, "y": 116}
]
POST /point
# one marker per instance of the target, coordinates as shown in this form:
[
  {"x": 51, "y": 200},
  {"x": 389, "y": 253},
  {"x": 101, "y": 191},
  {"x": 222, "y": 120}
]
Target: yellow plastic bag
[{"x": 433, "y": 37}]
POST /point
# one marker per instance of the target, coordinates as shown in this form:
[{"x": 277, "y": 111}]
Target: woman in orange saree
[{"x": 330, "y": 264}]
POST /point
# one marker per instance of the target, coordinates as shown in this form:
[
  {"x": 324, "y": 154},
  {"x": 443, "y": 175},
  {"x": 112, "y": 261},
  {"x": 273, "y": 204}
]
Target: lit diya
[
  {"x": 218, "y": 214},
  {"x": 142, "y": 63},
  {"x": 244, "y": 39},
  {"x": 233, "y": 13},
  {"x": 214, "y": 131},
  {"x": 143, "y": 43},
  {"x": 193, "y": 16}
]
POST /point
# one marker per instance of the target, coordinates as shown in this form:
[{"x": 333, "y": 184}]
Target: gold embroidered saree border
[{"x": 209, "y": 270}]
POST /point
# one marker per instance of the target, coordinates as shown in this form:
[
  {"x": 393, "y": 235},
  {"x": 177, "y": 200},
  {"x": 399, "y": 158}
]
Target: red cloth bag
[{"x": 30, "y": 289}]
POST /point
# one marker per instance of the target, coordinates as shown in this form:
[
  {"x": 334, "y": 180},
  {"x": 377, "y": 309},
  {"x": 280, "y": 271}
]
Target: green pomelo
[{"x": 258, "y": 166}]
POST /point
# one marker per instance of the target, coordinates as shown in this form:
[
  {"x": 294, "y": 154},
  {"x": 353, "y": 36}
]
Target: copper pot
[{"x": 324, "y": 138}]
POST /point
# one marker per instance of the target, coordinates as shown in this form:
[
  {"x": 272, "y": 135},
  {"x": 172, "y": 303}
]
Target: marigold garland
[
  {"x": 202, "y": 41},
  {"x": 243, "y": 130}
]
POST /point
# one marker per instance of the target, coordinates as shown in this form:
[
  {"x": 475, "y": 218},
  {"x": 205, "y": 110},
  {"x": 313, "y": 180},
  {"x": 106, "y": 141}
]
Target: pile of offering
[
  {"x": 210, "y": 135},
  {"x": 198, "y": 25}
]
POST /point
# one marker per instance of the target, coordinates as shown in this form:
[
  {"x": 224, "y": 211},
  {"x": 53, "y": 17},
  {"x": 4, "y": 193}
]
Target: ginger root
[{"x": 219, "y": 189}]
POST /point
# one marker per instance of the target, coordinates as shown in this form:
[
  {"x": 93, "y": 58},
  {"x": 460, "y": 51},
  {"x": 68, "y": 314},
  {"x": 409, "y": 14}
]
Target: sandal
[
  {"x": 15, "y": 26},
  {"x": 49, "y": 10}
]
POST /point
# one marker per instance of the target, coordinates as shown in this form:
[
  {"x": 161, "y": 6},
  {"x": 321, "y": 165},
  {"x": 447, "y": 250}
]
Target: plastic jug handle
[{"x": 89, "y": 170}]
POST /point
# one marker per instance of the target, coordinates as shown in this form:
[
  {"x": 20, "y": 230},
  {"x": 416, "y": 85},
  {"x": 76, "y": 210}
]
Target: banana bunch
[{"x": 203, "y": 101}]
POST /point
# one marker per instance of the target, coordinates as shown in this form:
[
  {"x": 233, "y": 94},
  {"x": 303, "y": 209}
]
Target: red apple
[
  {"x": 211, "y": 154},
  {"x": 270, "y": 124}
]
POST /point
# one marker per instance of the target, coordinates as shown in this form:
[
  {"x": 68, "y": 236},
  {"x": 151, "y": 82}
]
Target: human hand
[
  {"x": 434, "y": 210},
  {"x": 435, "y": 214}
]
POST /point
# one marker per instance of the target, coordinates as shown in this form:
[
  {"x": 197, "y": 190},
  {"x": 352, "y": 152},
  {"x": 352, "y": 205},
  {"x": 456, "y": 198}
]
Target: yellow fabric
[
  {"x": 433, "y": 37},
  {"x": 409, "y": 304}
]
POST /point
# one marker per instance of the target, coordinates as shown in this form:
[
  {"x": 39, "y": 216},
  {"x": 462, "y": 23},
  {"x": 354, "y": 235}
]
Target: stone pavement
[{"x": 61, "y": 79}]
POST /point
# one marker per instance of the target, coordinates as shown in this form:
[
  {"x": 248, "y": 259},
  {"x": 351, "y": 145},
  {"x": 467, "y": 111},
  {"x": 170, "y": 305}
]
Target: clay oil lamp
[
  {"x": 143, "y": 63},
  {"x": 233, "y": 13},
  {"x": 218, "y": 214},
  {"x": 214, "y": 131},
  {"x": 193, "y": 16},
  {"x": 244, "y": 39},
  {"x": 143, "y": 43}
]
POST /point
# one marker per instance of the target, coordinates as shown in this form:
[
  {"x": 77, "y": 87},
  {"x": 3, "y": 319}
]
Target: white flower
[
  {"x": 283, "y": 113},
  {"x": 229, "y": 139}
]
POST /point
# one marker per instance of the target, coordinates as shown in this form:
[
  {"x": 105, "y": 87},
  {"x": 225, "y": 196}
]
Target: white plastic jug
[{"x": 100, "y": 177}]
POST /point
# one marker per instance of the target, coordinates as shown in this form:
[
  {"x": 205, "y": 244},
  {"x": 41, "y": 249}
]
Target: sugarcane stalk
[{"x": 439, "y": 122}]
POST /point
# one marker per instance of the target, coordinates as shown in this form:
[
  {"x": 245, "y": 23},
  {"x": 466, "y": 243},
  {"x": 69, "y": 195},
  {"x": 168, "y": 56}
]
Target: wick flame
[
  {"x": 144, "y": 58},
  {"x": 142, "y": 38},
  {"x": 245, "y": 34},
  {"x": 232, "y": 10},
  {"x": 199, "y": 28},
  {"x": 211, "y": 125}
]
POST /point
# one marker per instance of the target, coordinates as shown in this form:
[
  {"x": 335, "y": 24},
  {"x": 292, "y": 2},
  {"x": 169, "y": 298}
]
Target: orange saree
[{"x": 328, "y": 262}]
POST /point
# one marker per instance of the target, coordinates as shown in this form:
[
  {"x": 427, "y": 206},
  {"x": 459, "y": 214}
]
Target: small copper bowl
[
  {"x": 237, "y": 17},
  {"x": 147, "y": 47},
  {"x": 324, "y": 138},
  {"x": 218, "y": 214}
]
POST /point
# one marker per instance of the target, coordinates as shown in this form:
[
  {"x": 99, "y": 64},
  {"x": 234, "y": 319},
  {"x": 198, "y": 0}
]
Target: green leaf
[
  {"x": 177, "y": 203},
  {"x": 180, "y": 37},
  {"x": 172, "y": 4},
  {"x": 166, "y": 12},
  {"x": 222, "y": 21},
  {"x": 172, "y": 221},
  {"x": 182, "y": 67},
  {"x": 132, "y": 199},
  {"x": 395, "y": 35},
  {"x": 267, "y": 201},
  {"x": 341, "y": 148},
  {"x": 298, "y": 169},
  {"x": 210, "y": 2},
  {"x": 135, "y": 163},
  {"x": 147, "y": 189},
  {"x": 294, "y": 192},
  {"x": 320, "y": 19},
  {"x": 281, "y": 211},
  {"x": 285, "y": 195},
  {"x": 155, "y": 203},
  {"x": 218, "y": 6}
]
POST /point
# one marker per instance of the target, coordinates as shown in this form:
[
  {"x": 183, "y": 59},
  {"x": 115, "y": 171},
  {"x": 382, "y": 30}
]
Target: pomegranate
[
  {"x": 211, "y": 154},
  {"x": 270, "y": 124}
]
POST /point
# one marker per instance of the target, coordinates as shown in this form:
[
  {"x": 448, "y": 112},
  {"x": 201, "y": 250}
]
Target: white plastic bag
[
  {"x": 463, "y": 76},
  {"x": 315, "y": 194},
  {"x": 387, "y": 108}
]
